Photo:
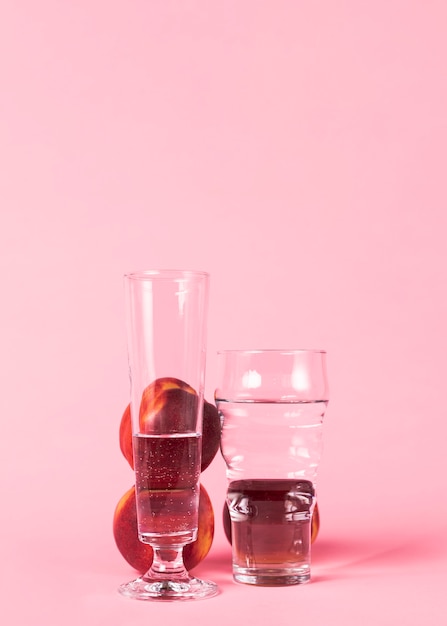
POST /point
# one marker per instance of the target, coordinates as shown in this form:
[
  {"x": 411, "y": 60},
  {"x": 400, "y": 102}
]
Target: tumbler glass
[{"x": 272, "y": 404}]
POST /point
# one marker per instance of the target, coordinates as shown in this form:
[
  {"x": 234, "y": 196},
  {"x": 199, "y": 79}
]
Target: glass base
[
  {"x": 190, "y": 588},
  {"x": 271, "y": 577}
]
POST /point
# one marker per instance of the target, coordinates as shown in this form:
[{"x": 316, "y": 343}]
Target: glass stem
[{"x": 168, "y": 563}]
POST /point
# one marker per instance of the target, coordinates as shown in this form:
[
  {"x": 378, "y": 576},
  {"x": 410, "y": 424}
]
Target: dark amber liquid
[{"x": 271, "y": 522}]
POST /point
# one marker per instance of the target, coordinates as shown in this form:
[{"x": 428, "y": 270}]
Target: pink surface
[{"x": 297, "y": 152}]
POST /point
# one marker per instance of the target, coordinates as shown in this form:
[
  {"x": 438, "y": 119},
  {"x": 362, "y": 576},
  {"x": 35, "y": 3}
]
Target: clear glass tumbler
[
  {"x": 166, "y": 331},
  {"x": 272, "y": 404}
]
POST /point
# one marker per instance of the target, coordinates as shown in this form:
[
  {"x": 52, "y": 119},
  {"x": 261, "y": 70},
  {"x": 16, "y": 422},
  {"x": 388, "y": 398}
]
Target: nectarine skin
[
  {"x": 140, "y": 555},
  {"x": 175, "y": 396},
  {"x": 211, "y": 431},
  {"x": 125, "y": 435},
  {"x": 168, "y": 405}
]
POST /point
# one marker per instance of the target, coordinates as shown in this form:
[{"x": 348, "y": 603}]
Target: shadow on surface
[
  {"x": 374, "y": 553},
  {"x": 217, "y": 567}
]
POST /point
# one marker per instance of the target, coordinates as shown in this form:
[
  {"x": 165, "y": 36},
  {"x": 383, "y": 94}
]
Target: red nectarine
[
  {"x": 140, "y": 555},
  {"x": 125, "y": 436},
  {"x": 168, "y": 405},
  {"x": 176, "y": 399},
  {"x": 210, "y": 434}
]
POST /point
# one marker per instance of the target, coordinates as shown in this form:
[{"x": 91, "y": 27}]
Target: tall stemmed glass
[{"x": 166, "y": 331}]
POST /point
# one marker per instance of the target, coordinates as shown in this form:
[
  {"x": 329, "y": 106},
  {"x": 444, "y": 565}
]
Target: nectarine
[
  {"x": 168, "y": 405},
  {"x": 174, "y": 399},
  {"x": 210, "y": 434},
  {"x": 125, "y": 435},
  {"x": 140, "y": 555}
]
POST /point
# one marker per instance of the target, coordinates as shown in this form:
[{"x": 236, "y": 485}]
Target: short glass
[{"x": 272, "y": 404}]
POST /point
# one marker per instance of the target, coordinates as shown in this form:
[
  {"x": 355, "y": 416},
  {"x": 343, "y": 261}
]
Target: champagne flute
[{"x": 166, "y": 334}]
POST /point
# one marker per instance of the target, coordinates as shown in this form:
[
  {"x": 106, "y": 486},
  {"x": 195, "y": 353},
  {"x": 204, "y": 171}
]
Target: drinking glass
[
  {"x": 272, "y": 404},
  {"x": 166, "y": 314}
]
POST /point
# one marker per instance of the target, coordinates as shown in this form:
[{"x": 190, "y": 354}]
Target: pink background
[{"x": 296, "y": 151}]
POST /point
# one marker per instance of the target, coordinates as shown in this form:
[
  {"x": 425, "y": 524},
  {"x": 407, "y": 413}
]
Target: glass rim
[
  {"x": 278, "y": 351},
  {"x": 164, "y": 274}
]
